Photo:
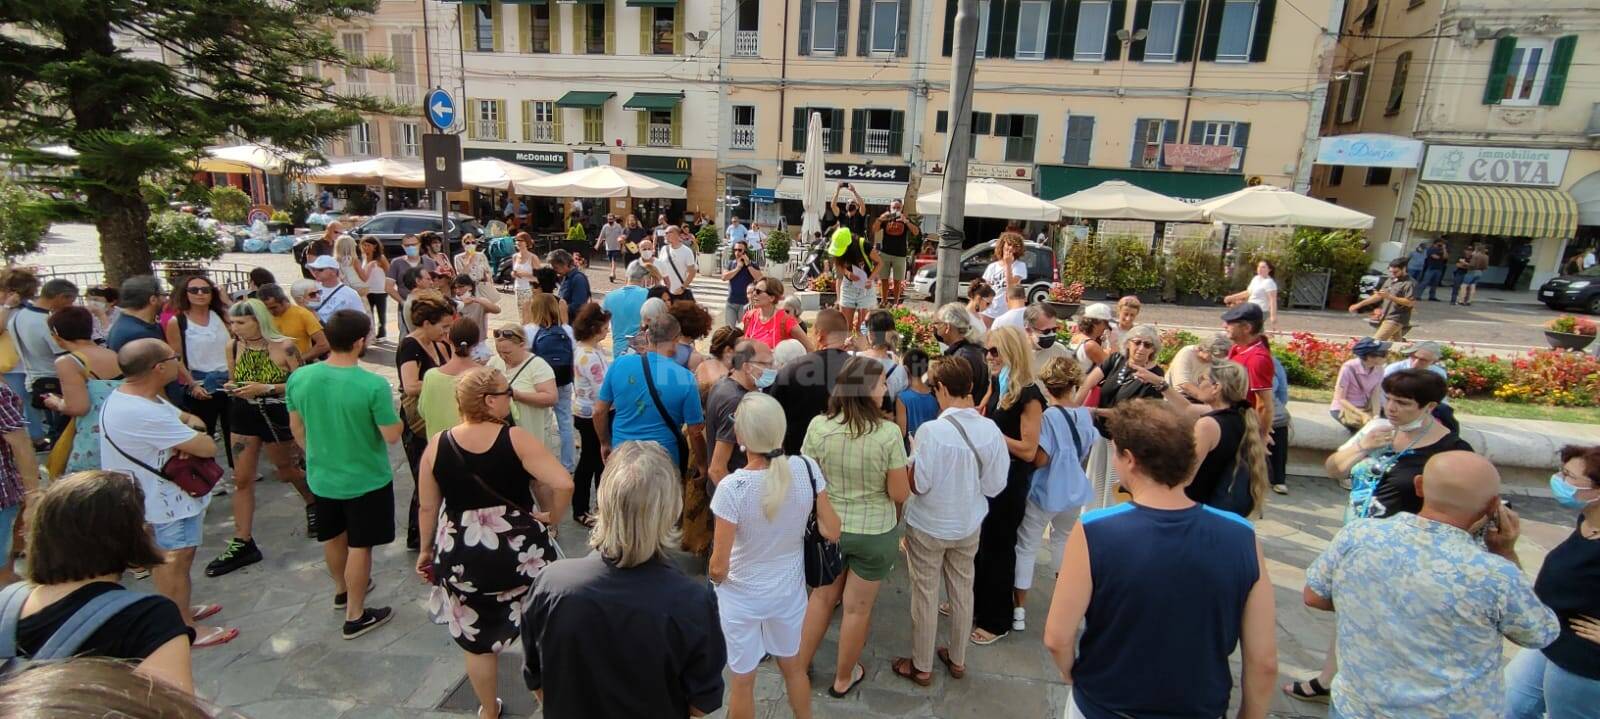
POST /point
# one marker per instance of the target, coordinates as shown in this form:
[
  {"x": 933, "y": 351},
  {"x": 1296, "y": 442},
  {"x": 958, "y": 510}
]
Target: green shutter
[
  {"x": 1002, "y": 125},
  {"x": 469, "y": 27},
  {"x": 804, "y": 39},
  {"x": 500, "y": 119},
  {"x": 1030, "y": 136},
  {"x": 678, "y": 26},
  {"x": 677, "y": 126},
  {"x": 1560, "y": 61},
  {"x": 580, "y": 29},
  {"x": 527, "y": 121},
  {"x": 646, "y": 19},
  {"x": 835, "y": 131},
  {"x": 496, "y": 12},
  {"x": 1499, "y": 65},
  {"x": 941, "y": 121},
  {"x": 949, "y": 27},
  {"x": 997, "y": 12},
  {"x": 1213, "y": 31},
  {"x": 1069, "y": 28},
  {"x": 1141, "y": 21},
  {"x": 1052, "y": 33},
  {"x": 842, "y": 38},
  {"x": 472, "y": 118},
  {"x": 555, "y": 123},
  {"x": 897, "y": 128},
  {"x": 555, "y": 28},
  {"x": 797, "y": 139},
  {"x": 1263, "y": 36},
  {"x": 864, "y": 29},
  {"x": 643, "y": 119},
  {"x": 858, "y": 131},
  {"x": 1008, "y": 29},
  {"x": 611, "y": 30},
  {"x": 524, "y": 28}
]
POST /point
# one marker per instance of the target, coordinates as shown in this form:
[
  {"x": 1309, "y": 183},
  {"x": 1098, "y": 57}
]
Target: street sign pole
[{"x": 440, "y": 110}]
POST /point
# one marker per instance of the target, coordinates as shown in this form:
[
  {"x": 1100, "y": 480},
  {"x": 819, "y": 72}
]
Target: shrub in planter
[
  {"x": 195, "y": 193},
  {"x": 179, "y": 236},
  {"x": 1089, "y": 263},
  {"x": 1135, "y": 269},
  {"x": 1473, "y": 376},
  {"x": 777, "y": 247},
  {"x": 707, "y": 239},
  {"x": 1553, "y": 377},
  {"x": 1196, "y": 273},
  {"x": 576, "y": 233},
  {"x": 229, "y": 204}
]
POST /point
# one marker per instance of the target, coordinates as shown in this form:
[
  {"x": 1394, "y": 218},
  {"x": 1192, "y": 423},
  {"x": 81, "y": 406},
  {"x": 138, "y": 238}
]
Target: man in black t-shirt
[
  {"x": 894, "y": 249},
  {"x": 804, "y": 385},
  {"x": 854, "y": 216}
]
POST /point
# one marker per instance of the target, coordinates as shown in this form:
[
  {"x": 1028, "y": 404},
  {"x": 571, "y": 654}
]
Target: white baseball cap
[
  {"x": 323, "y": 262},
  {"x": 1098, "y": 311}
]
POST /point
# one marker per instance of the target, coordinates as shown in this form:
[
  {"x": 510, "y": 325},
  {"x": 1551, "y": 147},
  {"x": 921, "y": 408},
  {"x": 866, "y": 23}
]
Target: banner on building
[
  {"x": 1370, "y": 150},
  {"x": 1201, "y": 157},
  {"x": 1530, "y": 167}
]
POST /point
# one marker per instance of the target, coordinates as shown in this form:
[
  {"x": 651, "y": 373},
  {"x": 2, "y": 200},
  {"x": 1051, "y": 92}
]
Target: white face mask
[
  {"x": 1413, "y": 425},
  {"x": 647, "y": 254}
]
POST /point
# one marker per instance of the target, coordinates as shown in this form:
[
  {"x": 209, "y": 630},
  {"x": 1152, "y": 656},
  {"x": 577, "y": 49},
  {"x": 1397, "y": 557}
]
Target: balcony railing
[
  {"x": 879, "y": 141},
  {"x": 410, "y": 150},
  {"x": 744, "y": 137},
  {"x": 538, "y": 131},
  {"x": 746, "y": 43},
  {"x": 351, "y": 87},
  {"x": 360, "y": 148},
  {"x": 491, "y": 130},
  {"x": 659, "y": 135},
  {"x": 404, "y": 94}
]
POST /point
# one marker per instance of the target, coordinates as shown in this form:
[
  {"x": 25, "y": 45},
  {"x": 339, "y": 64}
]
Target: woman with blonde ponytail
[
  {"x": 1232, "y": 474},
  {"x": 756, "y": 560}
]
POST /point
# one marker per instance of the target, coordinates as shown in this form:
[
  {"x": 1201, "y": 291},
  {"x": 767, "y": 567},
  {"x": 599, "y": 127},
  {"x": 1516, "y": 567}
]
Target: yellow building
[{"x": 1469, "y": 122}]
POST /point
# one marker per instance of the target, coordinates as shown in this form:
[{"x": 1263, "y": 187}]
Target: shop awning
[
  {"x": 1061, "y": 180},
  {"x": 668, "y": 176},
  {"x": 875, "y": 193},
  {"x": 1494, "y": 210},
  {"x": 935, "y": 183},
  {"x": 580, "y": 98},
  {"x": 653, "y": 101},
  {"x": 652, "y": 3}
]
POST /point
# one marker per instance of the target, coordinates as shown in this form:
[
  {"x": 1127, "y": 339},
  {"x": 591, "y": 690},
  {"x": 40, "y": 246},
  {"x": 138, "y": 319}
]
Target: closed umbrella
[
  {"x": 987, "y": 198},
  {"x": 814, "y": 182},
  {"x": 1267, "y": 205},
  {"x": 1119, "y": 200}
]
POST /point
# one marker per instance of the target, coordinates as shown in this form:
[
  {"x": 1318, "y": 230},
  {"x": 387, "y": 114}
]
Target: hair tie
[{"x": 774, "y": 454}]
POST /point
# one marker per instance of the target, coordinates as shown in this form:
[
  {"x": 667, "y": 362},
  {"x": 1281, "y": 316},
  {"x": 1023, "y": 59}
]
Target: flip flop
[
  {"x": 986, "y": 642},
  {"x": 216, "y": 637},
  {"x": 944, "y": 609},
  {"x": 201, "y": 611},
  {"x": 903, "y": 666},
  {"x": 1308, "y": 691},
  {"x": 957, "y": 671},
  {"x": 853, "y": 683}
]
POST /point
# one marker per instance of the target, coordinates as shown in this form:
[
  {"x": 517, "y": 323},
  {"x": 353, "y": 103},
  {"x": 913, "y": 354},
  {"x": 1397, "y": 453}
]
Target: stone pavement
[{"x": 290, "y": 663}]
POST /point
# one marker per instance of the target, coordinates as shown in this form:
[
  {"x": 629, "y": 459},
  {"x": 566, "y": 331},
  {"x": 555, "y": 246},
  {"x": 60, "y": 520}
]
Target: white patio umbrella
[
  {"x": 378, "y": 171},
  {"x": 601, "y": 181},
  {"x": 1267, "y": 205},
  {"x": 1119, "y": 200},
  {"x": 493, "y": 173},
  {"x": 987, "y": 198},
  {"x": 245, "y": 158},
  {"x": 814, "y": 181}
]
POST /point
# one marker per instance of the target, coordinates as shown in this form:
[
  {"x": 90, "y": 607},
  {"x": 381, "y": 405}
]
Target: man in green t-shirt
[{"x": 344, "y": 418}]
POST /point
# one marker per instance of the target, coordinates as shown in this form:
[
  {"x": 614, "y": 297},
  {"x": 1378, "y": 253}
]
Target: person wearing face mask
[
  {"x": 1563, "y": 679},
  {"x": 1127, "y": 375},
  {"x": 959, "y": 335},
  {"x": 471, "y": 262},
  {"x": 1040, "y": 324},
  {"x": 1424, "y": 607},
  {"x": 412, "y": 257},
  {"x": 751, "y": 370}
]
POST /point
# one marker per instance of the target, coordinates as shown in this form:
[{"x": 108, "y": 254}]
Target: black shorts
[
  {"x": 267, "y": 420},
  {"x": 367, "y": 520}
]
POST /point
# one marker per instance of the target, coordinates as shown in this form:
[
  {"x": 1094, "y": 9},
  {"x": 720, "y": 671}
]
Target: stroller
[{"x": 500, "y": 251}]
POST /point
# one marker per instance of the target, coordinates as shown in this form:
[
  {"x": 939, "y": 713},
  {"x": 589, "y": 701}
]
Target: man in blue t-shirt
[
  {"x": 743, "y": 269},
  {"x": 574, "y": 287},
  {"x": 638, "y": 416},
  {"x": 1169, "y": 588},
  {"x": 624, "y": 304}
]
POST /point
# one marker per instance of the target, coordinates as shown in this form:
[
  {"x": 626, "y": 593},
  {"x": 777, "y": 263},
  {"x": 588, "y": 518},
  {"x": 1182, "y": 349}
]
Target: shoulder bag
[
  {"x": 823, "y": 560},
  {"x": 196, "y": 476},
  {"x": 696, "y": 522}
]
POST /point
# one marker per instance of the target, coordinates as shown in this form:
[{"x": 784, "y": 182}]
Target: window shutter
[
  {"x": 1141, "y": 21},
  {"x": 1080, "y": 138},
  {"x": 1069, "y": 27},
  {"x": 1002, "y": 125},
  {"x": 527, "y": 121},
  {"x": 525, "y": 28},
  {"x": 997, "y": 13},
  {"x": 1119, "y": 15},
  {"x": 646, "y": 18},
  {"x": 902, "y": 33},
  {"x": 679, "y": 25},
  {"x": 1030, "y": 135},
  {"x": 842, "y": 41},
  {"x": 864, "y": 29},
  {"x": 1263, "y": 36},
  {"x": 495, "y": 15},
  {"x": 1008, "y": 28},
  {"x": 1197, "y": 132},
  {"x": 835, "y": 131},
  {"x": 1138, "y": 142},
  {"x": 580, "y": 29},
  {"x": 500, "y": 119},
  {"x": 394, "y": 141},
  {"x": 1052, "y": 33},
  {"x": 472, "y": 119},
  {"x": 555, "y": 28},
  {"x": 805, "y": 31},
  {"x": 469, "y": 27},
  {"x": 677, "y": 126},
  {"x": 1241, "y": 140},
  {"x": 1555, "y": 82},
  {"x": 1187, "y": 30},
  {"x": 1343, "y": 88},
  {"x": 1397, "y": 84},
  {"x": 1213, "y": 31},
  {"x": 797, "y": 140},
  {"x": 897, "y": 129},
  {"x": 858, "y": 131},
  {"x": 642, "y": 117},
  {"x": 1169, "y": 133},
  {"x": 949, "y": 27},
  {"x": 941, "y": 121},
  {"x": 555, "y": 123},
  {"x": 611, "y": 30},
  {"x": 1499, "y": 65},
  {"x": 980, "y": 123}
]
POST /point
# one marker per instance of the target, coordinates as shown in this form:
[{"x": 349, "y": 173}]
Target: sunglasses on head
[
  {"x": 503, "y": 393},
  {"x": 508, "y": 334}
]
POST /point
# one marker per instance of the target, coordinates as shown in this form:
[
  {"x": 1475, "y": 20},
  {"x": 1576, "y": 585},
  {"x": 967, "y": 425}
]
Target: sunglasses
[
  {"x": 198, "y": 290},
  {"x": 757, "y": 291},
  {"x": 1141, "y": 343},
  {"x": 504, "y": 393},
  {"x": 314, "y": 294},
  {"x": 508, "y": 334},
  {"x": 164, "y": 361},
  {"x": 992, "y": 351}
]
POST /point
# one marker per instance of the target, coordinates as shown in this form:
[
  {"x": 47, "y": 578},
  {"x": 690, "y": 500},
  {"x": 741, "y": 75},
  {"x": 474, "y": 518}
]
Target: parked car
[
  {"x": 392, "y": 227},
  {"x": 1043, "y": 269},
  {"x": 1581, "y": 291}
]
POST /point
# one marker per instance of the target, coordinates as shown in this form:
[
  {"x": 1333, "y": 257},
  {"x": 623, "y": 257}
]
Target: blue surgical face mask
[
  {"x": 412, "y": 250},
  {"x": 1566, "y": 494},
  {"x": 768, "y": 376},
  {"x": 1005, "y": 378}
]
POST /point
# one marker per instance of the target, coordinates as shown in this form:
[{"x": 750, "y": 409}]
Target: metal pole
[{"x": 953, "y": 197}]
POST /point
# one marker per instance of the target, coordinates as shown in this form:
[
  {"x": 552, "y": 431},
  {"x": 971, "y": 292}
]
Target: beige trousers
[{"x": 929, "y": 560}]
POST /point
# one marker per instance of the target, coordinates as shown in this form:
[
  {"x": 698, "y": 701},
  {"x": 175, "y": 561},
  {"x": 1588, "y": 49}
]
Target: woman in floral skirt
[{"x": 483, "y": 532}]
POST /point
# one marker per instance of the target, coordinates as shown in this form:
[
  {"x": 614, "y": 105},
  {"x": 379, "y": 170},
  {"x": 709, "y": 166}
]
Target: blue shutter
[
  {"x": 805, "y": 30},
  {"x": 1080, "y": 136},
  {"x": 1169, "y": 133},
  {"x": 1188, "y": 29},
  {"x": 1241, "y": 140},
  {"x": 1197, "y": 131},
  {"x": 1137, "y": 143},
  {"x": 949, "y": 27},
  {"x": 1213, "y": 31}
]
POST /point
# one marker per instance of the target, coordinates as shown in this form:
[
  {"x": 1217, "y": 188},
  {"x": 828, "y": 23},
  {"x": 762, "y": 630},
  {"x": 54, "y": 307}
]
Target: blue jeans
[
  {"x": 1536, "y": 688},
  {"x": 1457, "y": 281},
  {"x": 1431, "y": 280},
  {"x": 564, "y": 424},
  {"x": 8, "y": 521}
]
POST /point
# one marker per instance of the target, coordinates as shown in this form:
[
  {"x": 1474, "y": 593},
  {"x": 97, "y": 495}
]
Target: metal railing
[
  {"x": 540, "y": 131},
  {"x": 659, "y": 135},
  {"x": 491, "y": 130},
  {"x": 878, "y": 142},
  {"x": 404, "y": 94},
  {"x": 231, "y": 277},
  {"x": 746, "y": 43},
  {"x": 355, "y": 87},
  {"x": 744, "y": 137}
]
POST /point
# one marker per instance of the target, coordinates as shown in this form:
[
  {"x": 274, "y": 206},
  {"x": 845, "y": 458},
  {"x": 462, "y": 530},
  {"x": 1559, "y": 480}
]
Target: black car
[
  {"x": 1043, "y": 269},
  {"x": 1581, "y": 291},
  {"x": 392, "y": 227}
]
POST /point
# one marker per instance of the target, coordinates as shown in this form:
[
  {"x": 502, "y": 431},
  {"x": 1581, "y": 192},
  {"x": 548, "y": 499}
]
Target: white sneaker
[{"x": 1019, "y": 619}]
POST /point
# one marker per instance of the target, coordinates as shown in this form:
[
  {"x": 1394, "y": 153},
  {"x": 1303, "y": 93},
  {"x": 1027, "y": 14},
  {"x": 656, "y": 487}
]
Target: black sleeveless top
[
  {"x": 499, "y": 468},
  {"x": 1220, "y": 481}
]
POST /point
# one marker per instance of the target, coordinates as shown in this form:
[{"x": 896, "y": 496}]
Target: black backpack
[{"x": 68, "y": 638}]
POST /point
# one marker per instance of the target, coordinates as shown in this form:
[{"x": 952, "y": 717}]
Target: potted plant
[
  {"x": 827, "y": 291},
  {"x": 1064, "y": 299},
  {"x": 777, "y": 252},
  {"x": 1569, "y": 333},
  {"x": 1087, "y": 263},
  {"x": 1136, "y": 272},
  {"x": 706, "y": 242},
  {"x": 1196, "y": 274}
]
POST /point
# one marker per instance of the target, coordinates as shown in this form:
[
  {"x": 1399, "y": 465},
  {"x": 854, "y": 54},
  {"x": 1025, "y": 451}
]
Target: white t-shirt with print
[
  {"x": 147, "y": 431},
  {"x": 766, "y": 568},
  {"x": 995, "y": 275}
]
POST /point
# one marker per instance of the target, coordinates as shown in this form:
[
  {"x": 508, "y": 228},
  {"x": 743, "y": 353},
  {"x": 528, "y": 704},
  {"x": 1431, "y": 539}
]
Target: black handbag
[{"x": 823, "y": 560}]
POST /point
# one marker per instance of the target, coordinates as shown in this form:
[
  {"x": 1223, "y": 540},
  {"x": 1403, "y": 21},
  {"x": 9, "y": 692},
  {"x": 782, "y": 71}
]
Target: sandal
[
  {"x": 1308, "y": 691},
  {"x": 853, "y": 683},
  {"x": 214, "y": 637},
  {"x": 498, "y": 709},
  {"x": 903, "y": 666},
  {"x": 201, "y": 611},
  {"x": 586, "y": 519},
  {"x": 957, "y": 671},
  {"x": 986, "y": 642},
  {"x": 944, "y": 609}
]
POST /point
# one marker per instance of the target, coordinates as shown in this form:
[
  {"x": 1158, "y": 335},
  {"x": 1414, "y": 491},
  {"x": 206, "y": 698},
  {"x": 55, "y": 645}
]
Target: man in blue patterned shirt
[{"x": 1422, "y": 605}]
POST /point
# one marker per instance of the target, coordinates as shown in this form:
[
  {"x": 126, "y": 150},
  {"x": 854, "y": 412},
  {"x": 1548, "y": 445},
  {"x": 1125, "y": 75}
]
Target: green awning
[
  {"x": 468, "y": 2},
  {"x": 652, "y": 3},
  {"x": 583, "y": 2},
  {"x": 1062, "y": 180},
  {"x": 653, "y": 101},
  {"x": 668, "y": 176},
  {"x": 579, "y": 98}
]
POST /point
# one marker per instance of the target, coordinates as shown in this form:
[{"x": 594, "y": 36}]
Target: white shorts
[
  {"x": 754, "y": 627},
  {"x": 857, "y": 298}
]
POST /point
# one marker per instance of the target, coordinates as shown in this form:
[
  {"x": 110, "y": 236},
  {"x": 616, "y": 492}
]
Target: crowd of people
[{"x": 795, "y": 463}]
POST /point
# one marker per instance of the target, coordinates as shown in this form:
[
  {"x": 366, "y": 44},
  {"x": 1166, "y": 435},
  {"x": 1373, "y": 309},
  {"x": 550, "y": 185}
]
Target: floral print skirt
[{"x": 484, "y": 564}]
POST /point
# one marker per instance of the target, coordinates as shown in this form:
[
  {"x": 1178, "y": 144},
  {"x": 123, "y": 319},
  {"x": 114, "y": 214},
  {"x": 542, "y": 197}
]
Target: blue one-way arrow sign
[{"x": 440, "y": 109}]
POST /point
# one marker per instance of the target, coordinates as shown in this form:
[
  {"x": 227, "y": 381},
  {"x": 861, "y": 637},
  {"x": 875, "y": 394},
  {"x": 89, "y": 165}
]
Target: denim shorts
[
  {"x": 179, "y": 533},
  {"x": 1471, "y": 278},
  {"x": 8, "y": 522}
]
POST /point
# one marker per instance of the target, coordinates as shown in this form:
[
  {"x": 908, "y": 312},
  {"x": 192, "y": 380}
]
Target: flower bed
[{"x": 915, "y": 331}]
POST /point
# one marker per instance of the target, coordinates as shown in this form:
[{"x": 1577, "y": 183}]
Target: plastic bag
[
  {"x": 282, "y": 244},
  {"x": 255, "y": 245}
]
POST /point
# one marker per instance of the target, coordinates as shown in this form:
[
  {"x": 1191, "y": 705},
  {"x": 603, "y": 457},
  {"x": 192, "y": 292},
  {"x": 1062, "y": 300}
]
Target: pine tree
[{"x": 229, "y": 69}]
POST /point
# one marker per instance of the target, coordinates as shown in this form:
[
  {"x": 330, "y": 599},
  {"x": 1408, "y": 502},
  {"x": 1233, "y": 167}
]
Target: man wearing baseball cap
[
  {"x": 336, "y": 295},
  {"x": 1243, "y": 323}
]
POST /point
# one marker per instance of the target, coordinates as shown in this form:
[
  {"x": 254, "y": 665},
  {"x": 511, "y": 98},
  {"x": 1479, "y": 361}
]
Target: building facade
[{"x": 1471, "y": 122}]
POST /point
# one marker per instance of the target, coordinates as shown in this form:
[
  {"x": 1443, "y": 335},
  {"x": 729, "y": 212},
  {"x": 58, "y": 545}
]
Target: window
[
  {"x": 1336, "y": 175},
  {"x": 879, "y": 133},
  {"x": 832, "y": 128},
  {"x": 541, "y": 125},
  {"x": 1149, "y": 136},
  {"x": 1080, "y": 140},
  {"x": 361, "y": 139},
  {"x": 744, "y": 127},
  {"x": 1378, "y": 176},
  {"x": 1216, "y": 133},
  {"x": 1094, "y": 17},
  {"x": 660, "y": 129},
  {"x": 484, "y": 35},
  {"x": 410, "y": 135},
  {"x": 1020, "y": 132},
  {"x": 1397, "y": 86},
  {"x": 665, "y": 26},
  {"x": 824, "y": 19},
  {"x": 1355, "y": 95},
  {"x": 885, "y": 26},
  {"x": 539, "y": 32},
  {"x": 1238, "y": 26},
  {"x": 594, "y": 28},
  {"x": 403, "y": 53},
  {"x": 489, "y": 121},
  {"x": 1032, "y": 23},
  {"x": 983, "y": 27},
  {"x": 594, "y": 125},
  {"x": 355, "y": 49},
  {"x": 746, "y": 39},
  {"x": 1525, "y": 76},
  {"x": 1161, "y": 45}
]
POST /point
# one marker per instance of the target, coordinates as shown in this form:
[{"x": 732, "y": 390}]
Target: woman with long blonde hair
[
  {"x": 756, "y": 559},
  {"x": 1232, "y": 474},
  {"x": 1016, "y": 405},
  {"x": 348, "y": 254}
]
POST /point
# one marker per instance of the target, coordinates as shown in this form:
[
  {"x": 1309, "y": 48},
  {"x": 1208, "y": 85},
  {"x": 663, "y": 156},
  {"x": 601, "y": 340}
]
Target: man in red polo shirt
[{"x": 1243, "y": 323}]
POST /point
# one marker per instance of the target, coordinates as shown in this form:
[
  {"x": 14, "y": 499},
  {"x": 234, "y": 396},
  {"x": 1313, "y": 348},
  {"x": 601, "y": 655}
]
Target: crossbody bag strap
[
  {"x": 674, "y": 267},
  {"x": 1072, "y": 429},
  {"x": 655, "y": 397},
  {"x": 963, "y": 432},
  {"x": 11, "y": 601},
  {"x": 88, "y": 619},
  {"x": 105, "y": 432},
  {"x": 461, "y": 458}
]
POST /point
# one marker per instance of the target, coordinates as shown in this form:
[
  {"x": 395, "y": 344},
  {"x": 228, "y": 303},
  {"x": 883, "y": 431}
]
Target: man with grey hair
[
  {"x": 624, "y": 304},
  {"x": 654, "y": 398},
  {"x": 752, "y": 370},
  {"x": 953, "y": 328},
  {"x": 627, "y": 608}
]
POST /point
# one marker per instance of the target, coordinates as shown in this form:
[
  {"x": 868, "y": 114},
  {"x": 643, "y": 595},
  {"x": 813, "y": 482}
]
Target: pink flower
[
  {"x": 530, "y": 563},
  {"x": 483, "y": 527},
  {"x": 463, "y": 621},
  {"x": 444, "y": 539}
]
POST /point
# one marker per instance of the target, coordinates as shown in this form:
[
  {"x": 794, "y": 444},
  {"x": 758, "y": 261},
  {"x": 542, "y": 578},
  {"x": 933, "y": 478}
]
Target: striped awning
[{"x": 1494, "y": 210}]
